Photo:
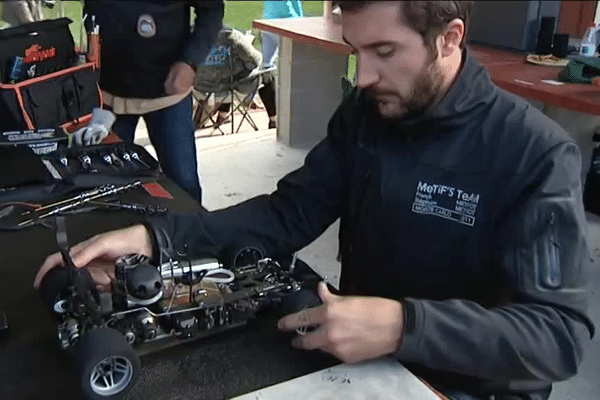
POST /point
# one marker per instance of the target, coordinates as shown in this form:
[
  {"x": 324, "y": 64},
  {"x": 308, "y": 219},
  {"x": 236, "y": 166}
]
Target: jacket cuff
[
  {"x": 410, "y": 345},
  {"x": 161, "y": 242}
]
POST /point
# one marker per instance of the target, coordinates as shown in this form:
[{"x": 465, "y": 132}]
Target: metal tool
[
  {"x": 293, "y": 264},
  {"x": 107, "y": 159},
  {"x": 125, "y": 156},
  {"x": 85, "y": 161},
  {"x": 139, "y": 208},
  {"x": 80, "y": 200},
  {"x": 80, "y": 196},
  {"x": 62, "y": 158},
  {"x": 116, "y": 160},
  {"x": 136, "y": 157}
]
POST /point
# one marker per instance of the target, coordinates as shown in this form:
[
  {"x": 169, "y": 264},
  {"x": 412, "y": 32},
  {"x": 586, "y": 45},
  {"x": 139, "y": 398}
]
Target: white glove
[
  {"x": 91, "y": 134},
  {"x": 98, "y": 128}
]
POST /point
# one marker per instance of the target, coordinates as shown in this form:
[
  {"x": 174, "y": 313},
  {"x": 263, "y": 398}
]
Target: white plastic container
[{"x": 588, "y": 43}]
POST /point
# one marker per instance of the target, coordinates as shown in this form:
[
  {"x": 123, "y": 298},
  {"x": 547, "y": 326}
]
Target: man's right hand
[{"x": 100, "y": 253}]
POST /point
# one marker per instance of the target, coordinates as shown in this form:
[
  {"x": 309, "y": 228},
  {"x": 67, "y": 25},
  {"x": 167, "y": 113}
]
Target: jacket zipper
[{"x": 553, "y": 276}]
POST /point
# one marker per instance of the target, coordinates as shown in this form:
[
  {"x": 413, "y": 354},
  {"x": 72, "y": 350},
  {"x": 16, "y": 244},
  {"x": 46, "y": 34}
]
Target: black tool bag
[
  {"x": 46, "y": 44},
  {"x": 56, "y": 92},
  {"x": 57, "y": 99}
]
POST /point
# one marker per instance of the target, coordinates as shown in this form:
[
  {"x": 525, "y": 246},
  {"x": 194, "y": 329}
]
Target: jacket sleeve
[
  {"x": 304, "y": 204},
  {"x": 540, "y": 331},
  {"x": 208, "y": 23}
]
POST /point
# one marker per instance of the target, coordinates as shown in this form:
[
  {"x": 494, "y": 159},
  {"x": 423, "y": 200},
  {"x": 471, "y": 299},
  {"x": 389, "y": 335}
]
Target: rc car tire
[
  {"x": 241, "y": 252},
  {"x": 53, "y": 285},
  {"x": 107, "y": 365},
  {"x": 56, "y": 283},
  {"x": 300, "y": 300}
]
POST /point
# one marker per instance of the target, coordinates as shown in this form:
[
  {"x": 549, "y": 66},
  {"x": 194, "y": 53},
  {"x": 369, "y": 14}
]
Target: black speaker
[
  {"x": 560, "y": 45},
  {"x": 545, "y": 35},
  {"x": 547, "y": 24}
]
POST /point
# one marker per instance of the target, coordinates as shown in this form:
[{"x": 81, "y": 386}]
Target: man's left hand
[
  {"x": 180, "y": 78},
  {"x": 351, "y": 328}
]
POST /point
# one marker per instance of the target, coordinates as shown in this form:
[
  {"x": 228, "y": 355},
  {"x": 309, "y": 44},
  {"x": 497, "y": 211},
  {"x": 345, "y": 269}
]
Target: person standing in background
[
  {"x": 270, "y": 47},
  {"x": 149, "y": 55},
  {"x": 21, "y": 12}
]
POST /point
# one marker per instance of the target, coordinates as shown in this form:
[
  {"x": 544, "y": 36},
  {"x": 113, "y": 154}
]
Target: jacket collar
[{"x": 471, "y": 92}]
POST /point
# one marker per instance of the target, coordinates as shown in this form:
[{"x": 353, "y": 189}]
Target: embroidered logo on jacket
[{"x": 446, "y": 202}]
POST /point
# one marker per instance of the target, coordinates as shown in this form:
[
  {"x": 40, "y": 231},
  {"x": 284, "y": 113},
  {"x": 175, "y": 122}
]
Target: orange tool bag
[{"x": 42, "y": 83}]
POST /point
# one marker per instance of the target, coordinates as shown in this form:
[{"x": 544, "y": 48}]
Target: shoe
[{"x": 272, "y": 124}]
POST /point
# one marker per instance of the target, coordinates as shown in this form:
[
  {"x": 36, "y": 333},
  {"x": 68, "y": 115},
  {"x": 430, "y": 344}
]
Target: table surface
[
  {"x": 314, "y": 31},
  {"x": 507, "y": 69}
]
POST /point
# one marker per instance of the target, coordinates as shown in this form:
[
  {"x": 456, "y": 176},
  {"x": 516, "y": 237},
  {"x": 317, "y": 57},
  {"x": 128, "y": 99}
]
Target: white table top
[{"x": 382, "y": 379}]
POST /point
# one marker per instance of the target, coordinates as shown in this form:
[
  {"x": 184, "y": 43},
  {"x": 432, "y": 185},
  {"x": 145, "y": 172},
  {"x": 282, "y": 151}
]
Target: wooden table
[
  {"x": 506, "y": 68},
  {"x": 513, "y": 73},
  {"x": 312, "y": 60}
]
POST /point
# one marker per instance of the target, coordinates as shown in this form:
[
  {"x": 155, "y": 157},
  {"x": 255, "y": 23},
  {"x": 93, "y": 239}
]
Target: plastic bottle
[{"x": 588, "y": 43}]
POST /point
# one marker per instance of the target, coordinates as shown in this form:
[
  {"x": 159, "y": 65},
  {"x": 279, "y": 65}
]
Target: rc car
[{"x": 107, "y": 331}]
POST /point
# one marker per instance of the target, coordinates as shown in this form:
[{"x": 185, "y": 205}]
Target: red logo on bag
[{"x": 35, "y": 54}]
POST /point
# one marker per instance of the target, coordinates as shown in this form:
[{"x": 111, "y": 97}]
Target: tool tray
[
  {"x": 55, "y": 179},
  {"x": 108, "y": 165}
]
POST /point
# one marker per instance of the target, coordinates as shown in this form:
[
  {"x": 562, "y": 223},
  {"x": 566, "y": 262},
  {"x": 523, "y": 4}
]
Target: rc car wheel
[
  {"x": 54, "y": 286},
  {"x": 241, "y": 252},
  {"x": 301, "y": 299},
  {"x": 107, "y": 365}
]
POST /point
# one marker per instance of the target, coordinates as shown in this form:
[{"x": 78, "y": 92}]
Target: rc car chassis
[{"x": 152, "y": 306}]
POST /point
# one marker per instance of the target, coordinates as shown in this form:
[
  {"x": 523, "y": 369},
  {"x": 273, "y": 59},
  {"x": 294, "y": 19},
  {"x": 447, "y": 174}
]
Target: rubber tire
[
  {"x": 232, "y": 249},
  {"x": 300, "y": 300},
  {"x": 55, "y": 283},
  {"x": 97, "y": 345}
]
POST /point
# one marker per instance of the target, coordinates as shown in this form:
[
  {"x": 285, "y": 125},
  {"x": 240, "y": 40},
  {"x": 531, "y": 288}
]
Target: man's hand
[
  {"x": 180, "y": 79},
  {"x": 351, "y": 328},
  {"x": 100, "y": 253}
]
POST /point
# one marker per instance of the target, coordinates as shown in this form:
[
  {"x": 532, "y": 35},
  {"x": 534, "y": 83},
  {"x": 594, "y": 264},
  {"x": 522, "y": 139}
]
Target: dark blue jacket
[
  {"x": 133, "y": 66},
  {"x": 470, "y": 214}
]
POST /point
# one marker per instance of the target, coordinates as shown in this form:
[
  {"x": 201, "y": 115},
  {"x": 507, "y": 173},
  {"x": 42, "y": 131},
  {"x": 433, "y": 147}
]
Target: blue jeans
[
  {"x": 171, "y": 132},
  {"x": 270, "y": 48}
]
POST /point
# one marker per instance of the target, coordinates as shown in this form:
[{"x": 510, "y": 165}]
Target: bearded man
[{"x": 462, "y": 235}]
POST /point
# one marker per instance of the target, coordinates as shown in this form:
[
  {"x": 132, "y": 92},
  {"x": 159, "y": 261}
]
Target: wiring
[{"x": 219, "y": 271}]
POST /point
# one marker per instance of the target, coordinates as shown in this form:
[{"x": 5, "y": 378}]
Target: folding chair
[
  {"x": 242, "y": 103},
  {"x": 223, "y": 74}
]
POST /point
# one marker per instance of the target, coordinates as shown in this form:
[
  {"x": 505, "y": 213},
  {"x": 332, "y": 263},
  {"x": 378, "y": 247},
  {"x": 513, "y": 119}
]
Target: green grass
[{"x": 240, "y": 14}]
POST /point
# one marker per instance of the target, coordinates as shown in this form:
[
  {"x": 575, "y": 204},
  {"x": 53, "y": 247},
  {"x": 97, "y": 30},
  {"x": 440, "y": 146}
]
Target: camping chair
[
  {"x": 241, "y": 102},
  {"x": 217, "y": 79}
]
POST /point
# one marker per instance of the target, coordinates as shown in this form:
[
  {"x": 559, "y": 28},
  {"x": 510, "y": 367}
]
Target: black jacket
[
  {"x": 470, "y": 214},
  {"x": 133, "y": 66}
]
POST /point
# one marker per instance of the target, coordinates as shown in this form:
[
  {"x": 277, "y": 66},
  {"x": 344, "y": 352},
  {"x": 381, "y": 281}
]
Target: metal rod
[
  {"x": 106, "y": 192},
  {"x": 70, "y": 199}
]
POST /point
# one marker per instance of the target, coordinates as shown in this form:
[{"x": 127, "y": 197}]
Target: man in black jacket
[
  {"x": 149, "y": 55},
  {"x": 462, "y": 234}
]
